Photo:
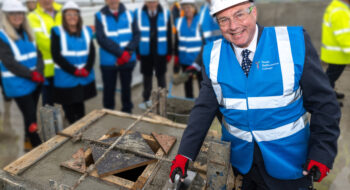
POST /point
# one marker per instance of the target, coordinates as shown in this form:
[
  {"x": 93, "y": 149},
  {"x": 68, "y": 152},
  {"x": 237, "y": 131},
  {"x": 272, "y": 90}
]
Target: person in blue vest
[
  {"x": 21, "y": 65},
  {"x": 155, "y": 47},
  {"x": 188, "y": 42},
  {"x": 118, "y": 35},
  {"x": 263, "y": 81},
  {"x": 209, "y": 27},
  {"x": 73, "y": 52}
]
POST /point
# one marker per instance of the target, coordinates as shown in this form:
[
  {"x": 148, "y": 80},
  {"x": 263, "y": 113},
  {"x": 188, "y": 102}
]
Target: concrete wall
[{"x": 306, "y": 14}]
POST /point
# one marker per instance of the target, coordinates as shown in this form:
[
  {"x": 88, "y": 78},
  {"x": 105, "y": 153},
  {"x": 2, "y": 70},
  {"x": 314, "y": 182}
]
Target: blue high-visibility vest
[
  {"x": 75, "y": 49},
  {"x": 190, "y": 40},
  {"x": 209, "y": 26},
  {"x": 265, "y": 107},
  {"x": 118, "y": 31},
  {"x": 24, "y": 52},
  {"x": 144, "y": 26}
]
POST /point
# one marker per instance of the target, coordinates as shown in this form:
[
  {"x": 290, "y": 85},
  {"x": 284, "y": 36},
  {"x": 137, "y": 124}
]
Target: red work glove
[
  {"x": 316, "y": 169},
  {"x": 36, "y": 77},
  {"x": 168, "y": 58},
  {"x": 179, "y": 166},
  {"x": 124, "y": 58},
  {"x": 81, "y": 72},
  {"x": 33, "y": 128}
]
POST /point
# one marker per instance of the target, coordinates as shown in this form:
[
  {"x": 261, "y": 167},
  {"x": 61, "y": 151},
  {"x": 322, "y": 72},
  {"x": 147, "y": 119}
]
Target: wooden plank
[
  {"x": 142, "y": 179},
  {"x": 118, "y": 161},
  {"x": 24, "y": 162},
  {"x": 166, "y": 142},
  {"x": 149, "y": 120}
]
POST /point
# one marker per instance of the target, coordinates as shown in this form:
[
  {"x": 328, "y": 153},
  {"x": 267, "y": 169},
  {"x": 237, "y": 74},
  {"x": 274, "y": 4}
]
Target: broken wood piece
[
  {"x": 166, "y": 142},
  {"x": 77, "y": 163},
  {"x": 117, "y": 161}
]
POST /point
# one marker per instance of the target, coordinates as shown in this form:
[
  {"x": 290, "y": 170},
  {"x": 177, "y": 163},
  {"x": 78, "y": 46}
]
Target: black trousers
[
  {"x": 189, "y": 83},
  {"x": 47, "y": 92},
  {"x": 333, "y": 72},
  {"x": 258, "y": 179},
  {"x": 109, "y": 78},
  {"x": 74, "y": 111},
  {"x": 28, "y": 106}
]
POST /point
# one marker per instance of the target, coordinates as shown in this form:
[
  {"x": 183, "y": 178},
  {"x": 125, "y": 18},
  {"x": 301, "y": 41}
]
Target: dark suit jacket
[{"x": 319, "y": 100}]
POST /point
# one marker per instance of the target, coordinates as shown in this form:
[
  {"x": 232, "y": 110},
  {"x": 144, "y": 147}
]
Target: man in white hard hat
[
  {"x": 31, "y": 5},
  {"x": 263, "y": 80},
  {"x": 155, "y": 46}
]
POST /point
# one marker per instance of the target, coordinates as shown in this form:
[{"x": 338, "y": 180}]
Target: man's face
[
  {"x": 152, "y": 5},
  {"x": 113, "y": 4},
  {"x": 31, "y": 5},
  {"x": 46, "y": 4},
  {"x": 237, "y": 24}
]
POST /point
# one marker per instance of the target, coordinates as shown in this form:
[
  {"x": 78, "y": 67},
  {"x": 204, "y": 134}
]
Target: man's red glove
[
  {"x": 81, "y": 72},
  {"x": 168, "y": 58},
  {"x": 36, "y": 77},
  {"x": 179, "y": 166},
  {"x": 124, "y": 58},
  {"x": 316, "y": 169}
]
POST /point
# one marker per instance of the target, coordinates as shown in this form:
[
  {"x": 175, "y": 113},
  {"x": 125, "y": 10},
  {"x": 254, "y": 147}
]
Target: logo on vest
[{"x": 267, "y": 65}]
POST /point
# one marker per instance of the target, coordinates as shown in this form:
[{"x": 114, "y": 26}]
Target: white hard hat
[
  {"x": 188, "y": 1},
  {"x": 13, "y": 6},
  {"x": 70, "y": 5},
  {"x": 219, "y": 5}
]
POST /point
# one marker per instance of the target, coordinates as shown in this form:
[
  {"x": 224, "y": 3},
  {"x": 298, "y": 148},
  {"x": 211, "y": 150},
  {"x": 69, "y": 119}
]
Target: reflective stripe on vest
[
  {"x": 143, "y": 23},
  {"x": 270, "y": 134},
  {"x": 64, "y": 48},
  {"x": 287, "y": 67},
  {"x": 18, "y": 56},
  {"x": 43, "y": 27},
  {"x": 196, "y": 38},
  {"x": 119, "y": 31}
]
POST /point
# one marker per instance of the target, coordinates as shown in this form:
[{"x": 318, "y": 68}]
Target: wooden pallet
[{"x": 28, "y": 164}]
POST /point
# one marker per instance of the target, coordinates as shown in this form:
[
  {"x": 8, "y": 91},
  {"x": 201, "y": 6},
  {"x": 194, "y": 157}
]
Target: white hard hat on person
[
  {"x": 13, "y": 6},
  {"x": 70, "y": 5},
  {"x": 188, "y": 2},
  {"x": 219, "y": 5}
]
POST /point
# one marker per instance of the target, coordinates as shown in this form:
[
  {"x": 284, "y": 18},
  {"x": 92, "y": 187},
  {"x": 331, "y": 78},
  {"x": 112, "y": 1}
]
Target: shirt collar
[{"x": 252, "y": 45}]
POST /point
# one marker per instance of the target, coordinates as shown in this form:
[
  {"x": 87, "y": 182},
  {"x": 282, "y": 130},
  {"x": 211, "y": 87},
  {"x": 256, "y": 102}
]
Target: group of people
[{"x": 48, "y": 51}]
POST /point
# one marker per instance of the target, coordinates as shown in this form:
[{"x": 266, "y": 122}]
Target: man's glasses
[{"x": 239, "y": 17}]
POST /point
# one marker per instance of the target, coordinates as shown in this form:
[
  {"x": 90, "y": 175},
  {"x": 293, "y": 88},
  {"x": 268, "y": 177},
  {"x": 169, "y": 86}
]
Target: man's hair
[{"x": 79, "y": 24}]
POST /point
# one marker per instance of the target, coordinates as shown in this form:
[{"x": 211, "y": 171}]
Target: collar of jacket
[
  {"x": 159, "y": 8},
  {"x": 105, "y": 10},
  {"x": 57, "y": 7}
]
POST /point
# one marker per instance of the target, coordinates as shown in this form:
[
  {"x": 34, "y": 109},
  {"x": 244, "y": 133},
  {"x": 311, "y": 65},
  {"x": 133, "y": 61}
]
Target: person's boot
[
  {"x": 27, "y": 145},
  {"x": 33, "y": 135},
  {"x": 339, "y": 95}
]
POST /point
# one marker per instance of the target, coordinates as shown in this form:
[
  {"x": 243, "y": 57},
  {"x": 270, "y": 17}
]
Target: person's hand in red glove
[
  {"x": 179, "y": 166},
  {"x": 176, "y": 64},
  {"x": 81, "y": 72},
  {"x": 124, "y": 58},
  {"x": 316, "y": 169},
  {"x": 36, "y": 77},
  {"x": 168, "y": 58}
]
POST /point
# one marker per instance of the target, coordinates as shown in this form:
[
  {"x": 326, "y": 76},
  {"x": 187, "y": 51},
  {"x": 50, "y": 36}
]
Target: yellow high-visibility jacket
[
  {"x": 336, "y": 33},
  {"x": 41, "y": 23}
]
